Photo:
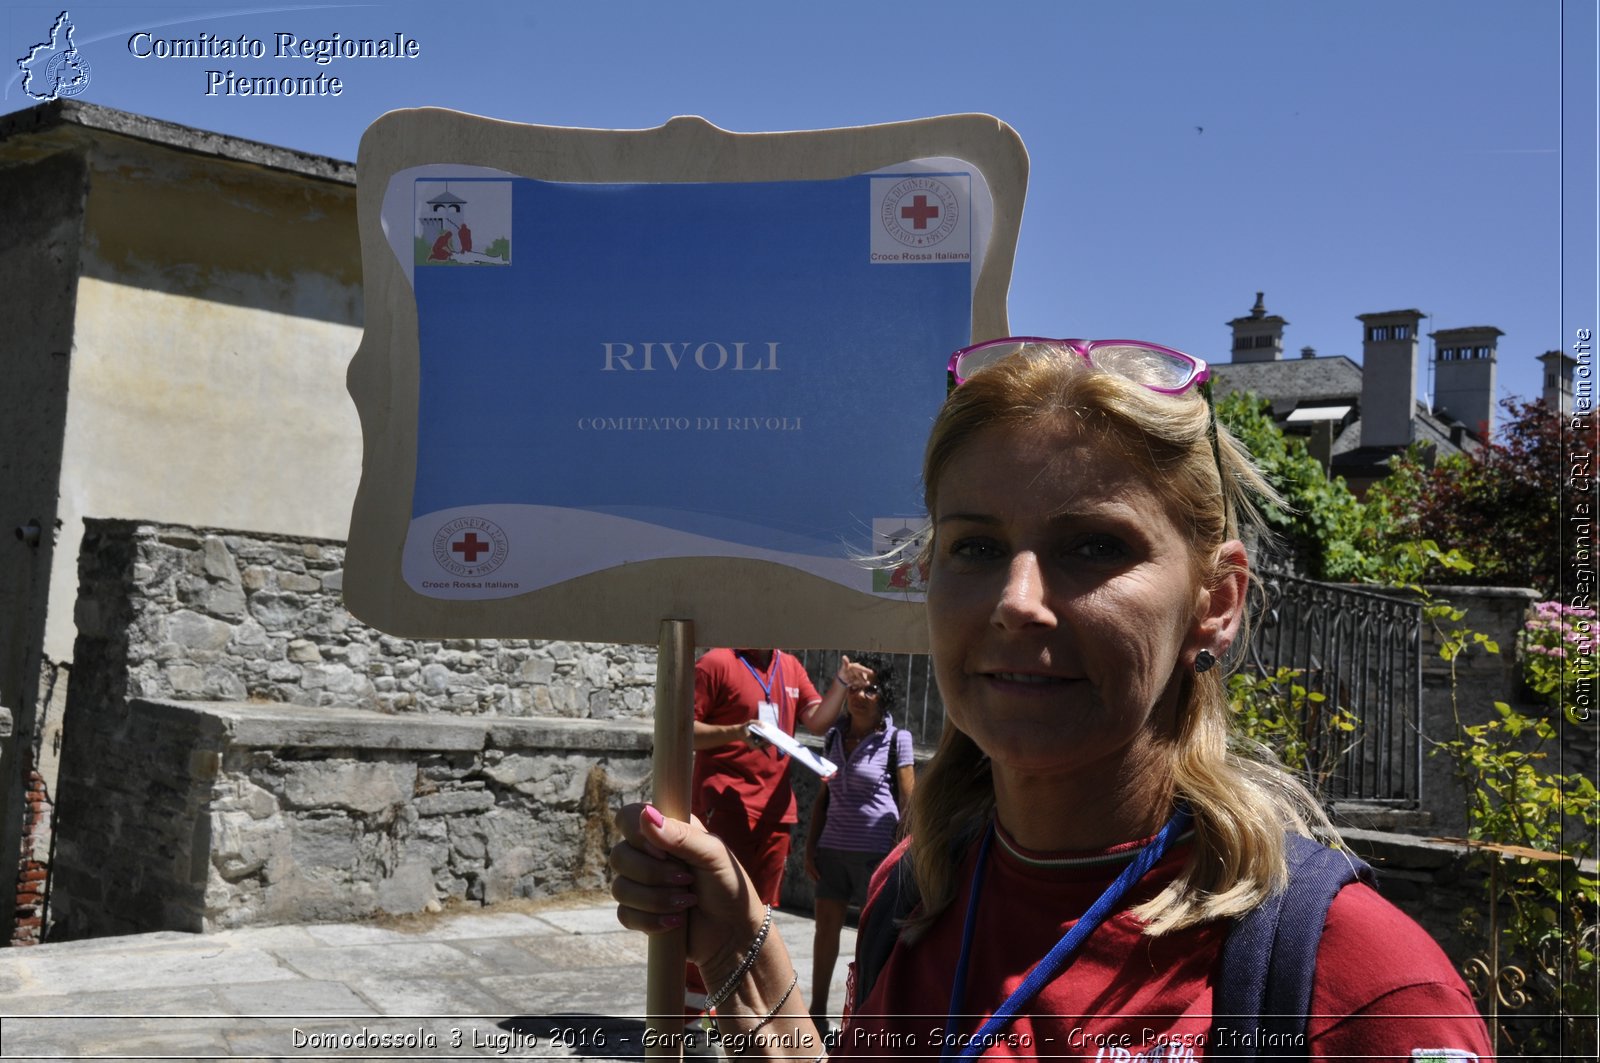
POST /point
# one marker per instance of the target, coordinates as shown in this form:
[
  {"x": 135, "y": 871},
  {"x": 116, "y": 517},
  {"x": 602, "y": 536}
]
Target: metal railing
[
  {"x": 919, "y": 709},
  {"x": 1362, "y": 652}
]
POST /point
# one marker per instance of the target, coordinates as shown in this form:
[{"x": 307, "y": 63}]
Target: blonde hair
[{"x": 1242, "y": 800}]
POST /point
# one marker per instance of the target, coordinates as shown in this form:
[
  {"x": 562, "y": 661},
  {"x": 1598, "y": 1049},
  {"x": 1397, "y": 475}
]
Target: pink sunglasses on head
[{"x": 1158, "y": 368}]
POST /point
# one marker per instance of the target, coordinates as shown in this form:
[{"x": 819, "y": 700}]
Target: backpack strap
[
  {"x": 894, "y": 766},
  {"x": 879, "y": 929},
  {"x": 1263, "y": 991}
]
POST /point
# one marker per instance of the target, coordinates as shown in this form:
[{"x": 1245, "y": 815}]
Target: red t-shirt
[
  {"x": 1382, "y": 989},
  {"x": 728, "y": 689}
]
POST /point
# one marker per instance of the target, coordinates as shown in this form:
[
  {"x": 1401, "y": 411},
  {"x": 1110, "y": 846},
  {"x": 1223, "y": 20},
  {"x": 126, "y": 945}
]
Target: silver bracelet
[
  {"x": 743, "y": 1041},
  {"x": 716, "y": 999},
  {"x": 773, "y": 1014}
]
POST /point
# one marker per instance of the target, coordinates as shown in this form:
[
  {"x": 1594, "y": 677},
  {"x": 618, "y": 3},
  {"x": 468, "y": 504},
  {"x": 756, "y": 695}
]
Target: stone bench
[{"x": 203, "y": 816}]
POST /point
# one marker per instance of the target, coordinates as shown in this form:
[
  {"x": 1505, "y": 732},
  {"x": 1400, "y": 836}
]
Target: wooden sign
[{"x": 613, "y": 377}]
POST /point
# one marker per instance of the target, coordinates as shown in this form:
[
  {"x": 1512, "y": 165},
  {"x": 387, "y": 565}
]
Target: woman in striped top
[{"x": 856, "y": 817}]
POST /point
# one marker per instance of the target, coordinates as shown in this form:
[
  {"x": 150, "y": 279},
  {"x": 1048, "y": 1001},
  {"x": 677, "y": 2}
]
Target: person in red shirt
[
  {"x": 741, "y": 790},
  {"x": 1088, "y": 834},
  {"x": 1130, "y": 996}
]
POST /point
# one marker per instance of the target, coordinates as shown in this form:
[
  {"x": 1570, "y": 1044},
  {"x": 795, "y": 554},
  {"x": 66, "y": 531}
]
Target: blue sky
[{"x": 1342, "y": 157}]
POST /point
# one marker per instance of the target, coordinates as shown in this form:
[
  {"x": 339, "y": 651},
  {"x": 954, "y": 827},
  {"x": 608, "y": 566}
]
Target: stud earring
[{"x": 1204, "y": 661}]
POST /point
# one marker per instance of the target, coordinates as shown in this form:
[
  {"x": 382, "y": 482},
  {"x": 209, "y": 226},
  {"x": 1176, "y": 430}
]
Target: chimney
[
  {"x": 1319, "y": 443},
  {"x": 1463, "y": 375},
  {"x": 1558, "y": 366},
  {"x": 1258, "y": 336},
  {"x": 1388, "y": 377}
]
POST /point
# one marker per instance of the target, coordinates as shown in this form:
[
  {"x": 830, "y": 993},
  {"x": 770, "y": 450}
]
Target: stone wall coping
[
  {"x": 257, "y": 724},
  {"x": 1368, "y": 841},
  {"x": 1438, "y": 590},
  {"x": 1462, "y": 591},
  {"x": 199, "y": 532},
  {"x": 1380, "y": 843}
]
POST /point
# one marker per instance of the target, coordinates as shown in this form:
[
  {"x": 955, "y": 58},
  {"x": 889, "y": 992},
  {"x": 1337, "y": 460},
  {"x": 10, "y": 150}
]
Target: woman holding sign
[{"x": 1095, "y": 866}]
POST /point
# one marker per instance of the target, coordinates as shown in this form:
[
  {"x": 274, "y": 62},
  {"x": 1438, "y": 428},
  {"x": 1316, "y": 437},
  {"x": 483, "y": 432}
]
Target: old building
[
  {"x": 1560, "y": 368},
  {"x": 1356, "y": 416},
  {"x": 180, "y": 310}
]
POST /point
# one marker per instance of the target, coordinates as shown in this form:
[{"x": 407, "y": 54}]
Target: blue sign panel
[{"x": 613, "y": 373}]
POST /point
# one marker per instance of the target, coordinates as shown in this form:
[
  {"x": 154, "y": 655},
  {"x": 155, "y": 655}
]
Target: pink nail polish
[
  {"x": 672, "y": 922},
  {"x": 653, "y": 816}
]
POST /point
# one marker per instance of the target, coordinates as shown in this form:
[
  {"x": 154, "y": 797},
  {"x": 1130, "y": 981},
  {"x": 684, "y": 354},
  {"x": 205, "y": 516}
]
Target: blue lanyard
[
  {"x": 774, "y": 675},
  {"x": 1055, "y": 961}
]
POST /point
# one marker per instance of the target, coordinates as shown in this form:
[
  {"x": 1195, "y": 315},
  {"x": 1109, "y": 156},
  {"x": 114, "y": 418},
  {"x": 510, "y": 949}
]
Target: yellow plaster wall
[{"x": 194, "y": 411}]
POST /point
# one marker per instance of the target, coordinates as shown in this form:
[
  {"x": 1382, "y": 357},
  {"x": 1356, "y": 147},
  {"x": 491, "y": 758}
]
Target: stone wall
[
  {"x": 227, "y": 616},
  {"x": 1481, "y": 677},
  {"x": 203, "y": 816},
  {"x": 1479, "y": 680},
  {"x": 162, "y": 813}
]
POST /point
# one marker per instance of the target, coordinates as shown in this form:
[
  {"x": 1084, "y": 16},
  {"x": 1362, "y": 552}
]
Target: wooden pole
[{"x": 671, "y": 767}]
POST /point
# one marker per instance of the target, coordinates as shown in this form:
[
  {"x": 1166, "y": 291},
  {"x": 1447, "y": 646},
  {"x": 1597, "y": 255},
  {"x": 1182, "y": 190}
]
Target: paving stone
[
  {"x": 197, "y": 1001},
  {"x": 505, "y": 956},
  {"x": 557, "y": 991},
  {"x": 357, "y": 934},
  {"x": 114, "y": 1038},
  {"x": 273, "y": 937},
  {"x": 355, "y": 962},
  {"x": 155, "y": 969},
  {"x": 570, "y": 952},
  {"x": 584, "y": 920},
  {"x": 302, "y": 997},
  {"x": 158, "y": 939},
  {"x": 431, "y": 996},
  {"x": 159, "y": 1036},
  {"x": 489, "y": 925}
]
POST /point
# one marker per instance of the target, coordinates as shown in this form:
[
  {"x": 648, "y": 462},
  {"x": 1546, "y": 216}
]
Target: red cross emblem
[
  {"x": 919, "y": 212},
  {"x": 470, "y": 547}
]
